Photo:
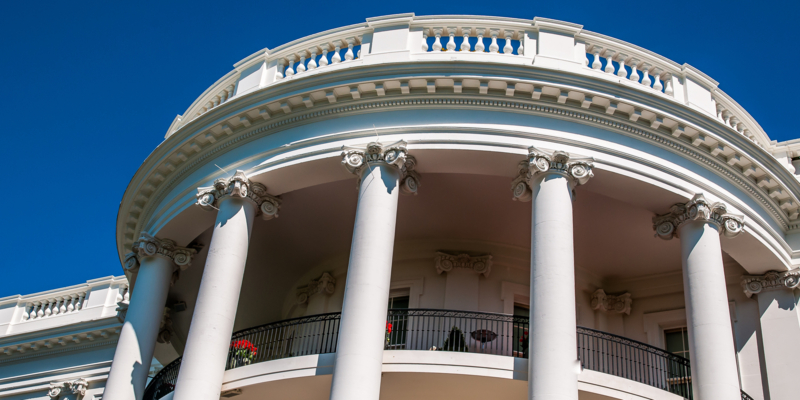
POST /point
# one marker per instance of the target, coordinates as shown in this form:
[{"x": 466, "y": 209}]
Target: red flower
[
  {"x": 388, "y": 327},
  {"x": 244, "y": 345}
]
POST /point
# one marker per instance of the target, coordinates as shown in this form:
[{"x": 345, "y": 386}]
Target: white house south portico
[{"x": 453, "y": 289}]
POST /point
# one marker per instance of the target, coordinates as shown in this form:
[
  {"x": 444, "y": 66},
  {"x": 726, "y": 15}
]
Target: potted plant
[
  {"x": 242, "y": 352},
  {"x": 455, "y": 341}
]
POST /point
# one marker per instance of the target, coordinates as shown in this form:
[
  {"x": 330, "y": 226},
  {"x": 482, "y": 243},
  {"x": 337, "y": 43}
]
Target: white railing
[
  {"x": 458, "y": 36},
  {"x": 473, "y": 39},
  {"x": 318, "y": 56},
  {"x": 99, "y": 295}
]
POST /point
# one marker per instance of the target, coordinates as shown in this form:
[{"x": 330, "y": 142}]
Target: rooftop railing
[
  {"x": 477, "y": 38},
  {"x": 449, "y": 330}
]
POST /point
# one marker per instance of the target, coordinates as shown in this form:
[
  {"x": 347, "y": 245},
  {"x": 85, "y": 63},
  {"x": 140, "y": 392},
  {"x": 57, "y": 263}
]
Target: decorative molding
[
  {"x": 77, "y": 387},
  {"x": 396, "y": 154},
  {"x": 620, "y": 304},
  {"x": 122, "y": 310},
  {"x": 698, "y": 209},
  {"x": 149, "y": 245},
  {"x": 577, "y": 170},
  {"x": 324, "y": 284},
  {"x": 784, "y": 216},
  {"x": 480, "y": 264},
  {"x": 209, "y": 198},
  {"x": 772, "y": 280}
]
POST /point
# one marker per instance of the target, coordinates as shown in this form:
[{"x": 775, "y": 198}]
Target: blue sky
[{"x": 90, "y": 89}]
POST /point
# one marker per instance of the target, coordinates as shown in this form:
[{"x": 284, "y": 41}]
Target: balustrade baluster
[
  {"x": 634, "y": 72},
  {"x": 609, "y": 55},
  {"x": 646, "y": 78},
  {"x": 425, "y": 40},
  {"x": 465, "y": 33},
  {"x": 479, "y": 46},
  {"x": 668, "y": 85},
  {"x": 62, "y": 305},
  {"x": 337, "y": 58},
  {"x": 290, "y": 67},
  {"x": 451, "y": 41},
  {"x": 323, "y": 60},
  {"x": 26, "y": 311},
  {"x": 230, "y": 90},
  {"x": 508, "y": 49},
  {"x": 312, "y": 59},
  {"x": 521, "y": 38},
  {"x": 437, "y": 43},
  {"x": 494, "y": 47},
  {"x": 622, "y": 72},
  {"x": 657, "y": 79},
  {"x": 596, "y": 63},
  {"x": 301, "y": 67},
  {"x": 349, "y": 54}
]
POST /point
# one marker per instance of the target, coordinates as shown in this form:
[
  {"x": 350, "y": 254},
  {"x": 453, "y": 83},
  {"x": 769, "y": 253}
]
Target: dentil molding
[
  {"x": 396, "y": 154},
  {"x": 324, "y": 284},
  {"x": 149, "y": 245},
  {"x": 772, "y": 280},
  {"x": 539, "y": 162},
  {"x": 209, "y": 198},
  {"x": 698, "y": 209},
  {"x": 480, "y": 264},
  {"x": 603, "y": 302}
]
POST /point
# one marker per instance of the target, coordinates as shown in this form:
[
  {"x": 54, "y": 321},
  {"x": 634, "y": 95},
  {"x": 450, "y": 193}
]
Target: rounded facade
[{"x": 502, "y": 184}]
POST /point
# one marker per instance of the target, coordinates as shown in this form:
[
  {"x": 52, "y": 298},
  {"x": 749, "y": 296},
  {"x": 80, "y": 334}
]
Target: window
[
  {"x": 676, "y": 341},
  {"x": 398, "y": 319},
  {"x": 520, "y": 332}
]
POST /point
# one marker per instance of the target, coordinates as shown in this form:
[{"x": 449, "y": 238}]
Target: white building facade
[{"x": 470, "y": 207}]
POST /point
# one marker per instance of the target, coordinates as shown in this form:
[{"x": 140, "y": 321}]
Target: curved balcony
[{"x": 450, "y": 331}]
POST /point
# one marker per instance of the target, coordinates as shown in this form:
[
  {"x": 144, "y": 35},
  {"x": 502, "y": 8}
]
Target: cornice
[{"x": 177, "y": 144}]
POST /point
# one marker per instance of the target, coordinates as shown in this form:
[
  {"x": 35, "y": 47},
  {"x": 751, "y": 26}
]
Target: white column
[
  {"x": 155, "y": 260},
  {"x": 549, "y": 178},
  {"x": 238, "y": 201},
  {"x": 713, "y": 355},
  {"x": 383, "y": 172},
  {"x": 780, "y": 328}
]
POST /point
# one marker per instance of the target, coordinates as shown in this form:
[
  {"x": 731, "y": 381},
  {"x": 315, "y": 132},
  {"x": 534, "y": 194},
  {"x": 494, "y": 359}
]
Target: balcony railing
[{"x": 447, "y": 330}]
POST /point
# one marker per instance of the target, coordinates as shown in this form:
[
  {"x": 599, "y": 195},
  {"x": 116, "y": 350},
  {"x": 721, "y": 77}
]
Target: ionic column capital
[
  {"x": 603, "y": 302},
  {"x": 539, "y": 163},
  {"x": 356, "y": 158},
  {"x": 772, "y": 280},
  {"x": 149, "y": 245},
  {"x": 209, "y": 198},
  {"x": 698, "y": 209}
]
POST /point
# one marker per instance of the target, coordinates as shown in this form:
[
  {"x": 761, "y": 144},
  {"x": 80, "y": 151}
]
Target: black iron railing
[
  {"x": 465, "y": 331},
  {"x": 444, "y": 330},
  {"x": 637, "y": 361}
]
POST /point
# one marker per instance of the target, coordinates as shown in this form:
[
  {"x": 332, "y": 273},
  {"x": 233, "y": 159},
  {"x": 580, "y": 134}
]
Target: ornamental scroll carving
[
  {"x": 355, "y": 159},
  {"x": 208, "y": 198},
  {"x": 324, "y": 284},
  {"x": 577, "y": 169},
  {"x": 149, "y": 245},
  {"x": 603, "y": 302},
  {"x": 698, "y": 209},
  {"x": 480, "y": 264},
  {"x": 772, "y": 280},
  {"x": 77, "y": 387}
]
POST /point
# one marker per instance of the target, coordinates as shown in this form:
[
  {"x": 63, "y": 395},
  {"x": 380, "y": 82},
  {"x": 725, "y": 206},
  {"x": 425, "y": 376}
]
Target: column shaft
[
  {"x": 780, "y": 330},
  {"x": 207, "y": 344},
  {"x": 137, "y": 339},
  {"x": 713, "y": 355},
  {"x": 359, "y": 354},
  {"x": 552, "y": 363}
]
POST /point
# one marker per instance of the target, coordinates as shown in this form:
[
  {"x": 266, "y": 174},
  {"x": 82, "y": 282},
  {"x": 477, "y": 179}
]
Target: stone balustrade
[
  {"x": 97, "y": 298},
  {"x": 473, "y": 39},
  {"x": 464, "y": 36}
]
